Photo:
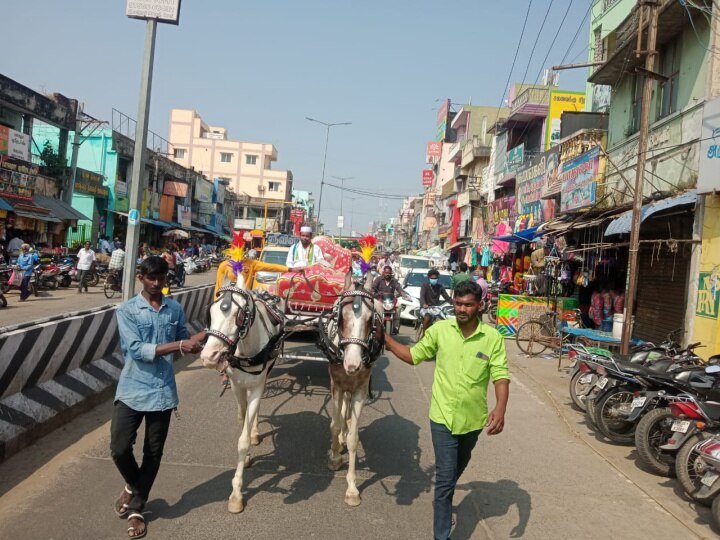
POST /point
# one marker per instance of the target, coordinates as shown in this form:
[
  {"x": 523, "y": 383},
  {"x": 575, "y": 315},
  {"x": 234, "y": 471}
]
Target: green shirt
[
  {"x": 458, "y": 278},
  {"x": 463, "y": 369}
]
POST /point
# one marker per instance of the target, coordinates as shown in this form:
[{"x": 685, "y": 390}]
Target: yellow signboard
[{"x": 560, "y": 102}]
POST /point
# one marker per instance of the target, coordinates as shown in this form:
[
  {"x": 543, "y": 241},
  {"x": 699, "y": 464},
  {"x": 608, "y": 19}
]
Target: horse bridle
[{"x": 243, "y": 320}]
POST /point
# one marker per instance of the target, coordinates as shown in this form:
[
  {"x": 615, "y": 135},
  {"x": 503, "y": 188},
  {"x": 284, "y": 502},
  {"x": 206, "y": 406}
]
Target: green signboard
[{"x": 708, "y": 298}]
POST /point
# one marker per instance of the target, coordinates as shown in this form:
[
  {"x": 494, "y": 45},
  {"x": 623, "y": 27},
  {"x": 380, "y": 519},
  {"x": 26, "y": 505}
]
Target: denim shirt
[
  {"x": 147, "y": 382},
  {"x": 26, "y": 261}
]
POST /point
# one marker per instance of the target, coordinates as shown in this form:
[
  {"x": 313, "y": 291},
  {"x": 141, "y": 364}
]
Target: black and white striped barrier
[{"x": 53, "y": 370}]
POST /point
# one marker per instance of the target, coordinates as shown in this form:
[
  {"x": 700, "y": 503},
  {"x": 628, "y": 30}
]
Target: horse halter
[
  {"x": 244, "y": 318},
  {"x": 371, "y": 345}
]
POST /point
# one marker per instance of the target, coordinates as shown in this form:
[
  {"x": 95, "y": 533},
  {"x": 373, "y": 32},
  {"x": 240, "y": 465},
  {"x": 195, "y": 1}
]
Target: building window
[
  {"x": 638, "y": 83},
  {"x": 226, "y": 157},
  {"x": 251, "y": 159},
  {"x": 180, "y": 153},
  {"x": 274, "y": 186},
  {"x": 670, "y": 67}
]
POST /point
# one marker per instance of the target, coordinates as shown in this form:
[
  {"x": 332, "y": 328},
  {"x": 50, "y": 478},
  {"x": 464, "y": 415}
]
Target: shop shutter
[{"x": 661, "y": 293}]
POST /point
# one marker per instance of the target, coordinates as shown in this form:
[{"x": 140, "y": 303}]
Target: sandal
[
  {"x": 121, "y": 508},
  {"x": 131, "y": 530}
]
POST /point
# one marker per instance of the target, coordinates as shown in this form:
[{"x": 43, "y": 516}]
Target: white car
[
  {"x": 268, "y": 280},
  {"x": 407, "y": 263},
  {"x": 412, "y": 283}
]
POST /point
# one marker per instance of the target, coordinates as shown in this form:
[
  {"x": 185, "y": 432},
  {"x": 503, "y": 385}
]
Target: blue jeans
[{"x": 452, "y": 455}]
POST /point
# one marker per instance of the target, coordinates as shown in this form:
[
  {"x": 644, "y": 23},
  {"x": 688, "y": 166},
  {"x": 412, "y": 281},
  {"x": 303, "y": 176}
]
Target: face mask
[
  {"x": 433, "y": 282},
  {"x": 476, "y": 278}
]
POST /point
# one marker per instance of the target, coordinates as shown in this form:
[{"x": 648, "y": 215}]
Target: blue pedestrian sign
[{"x": 133, "y": 216}]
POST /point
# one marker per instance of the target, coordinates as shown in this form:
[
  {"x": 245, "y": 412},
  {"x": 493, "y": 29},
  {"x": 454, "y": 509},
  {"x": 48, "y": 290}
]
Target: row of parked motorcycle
[
  {"x": 58, "y": 272},
  {"x": 665, "y": 400}
]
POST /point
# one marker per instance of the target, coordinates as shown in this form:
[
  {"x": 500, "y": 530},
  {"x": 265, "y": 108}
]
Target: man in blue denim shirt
[
  {"x": 152, "y": 330},
  {"x": 26, "y": 262}
]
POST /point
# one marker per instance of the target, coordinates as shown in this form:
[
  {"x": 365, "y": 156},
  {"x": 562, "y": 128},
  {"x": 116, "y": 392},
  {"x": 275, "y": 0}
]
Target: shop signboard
[
  {"x": 559, "y": 103},
  {"x": 427, "y": 177},
  {"x": 515, "y": 158},
  {"x": 164, "y": 11},
  {"x": 243, "y": 224},
  {"x": 434, "y": 150},
  {"x": 14, "y": 143},
  {"x": 500, "y": 210},
  {"x": 121, "y": 188},
  {"x": 708, "y": 300},
  {"x": 579, "y": 181},
  {"x": 90, "y": 183},
  {"x": 203, "y": 190},
  {"x": 175, "y": 189},
  {"x": 219, "y": 192},
  {"x": 122, "y": 204},
  {"x": 442, "y": 120},
  {"x": 531, "y": 180},
  {"x": 206, "y": 208},
  {"x": 281, "y": 240},
  {"x": 184, "y": 215},
  {"x": 17, "y": 178},
  {"x": 709, "y": 173}
]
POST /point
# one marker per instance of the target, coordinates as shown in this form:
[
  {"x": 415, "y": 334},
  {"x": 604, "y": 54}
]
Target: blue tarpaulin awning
[
  {"x": 4, "y": 205},
  {"x": 156, "y": 222},
  {"x": 622, "y": 223},
  {"x": 528, "y": 235}
]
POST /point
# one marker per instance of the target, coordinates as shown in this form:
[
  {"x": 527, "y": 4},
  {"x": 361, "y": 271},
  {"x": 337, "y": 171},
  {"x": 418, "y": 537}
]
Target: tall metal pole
[
  {"x": 138, "y": 169},
  {"x": 342, "y": 191},
  {"x": 68, "y": 194},
  {"x": 640, "y": 172},
  {"x": 322, "y": 179}
]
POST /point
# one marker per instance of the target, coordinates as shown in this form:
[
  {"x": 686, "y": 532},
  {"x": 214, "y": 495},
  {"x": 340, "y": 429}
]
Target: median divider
[{"x": 54, "y": 369}]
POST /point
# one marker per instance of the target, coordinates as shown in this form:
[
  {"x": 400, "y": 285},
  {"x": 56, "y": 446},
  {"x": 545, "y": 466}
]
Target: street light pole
[
  {"x": 342, "y": 189},
  {"x": 327, "y": 125}
]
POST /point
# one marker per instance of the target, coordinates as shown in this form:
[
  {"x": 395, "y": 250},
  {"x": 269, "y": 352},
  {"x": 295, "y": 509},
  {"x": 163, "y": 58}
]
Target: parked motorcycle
[
  {"x": 47, "y": 276},
  {"x": 175, "y": 279},
  {"x": 708, "y": 460},
  {"x": 390, "y": 314}
]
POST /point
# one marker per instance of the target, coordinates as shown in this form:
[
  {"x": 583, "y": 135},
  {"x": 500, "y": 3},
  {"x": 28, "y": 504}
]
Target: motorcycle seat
[{"x": 712, "y": 409}]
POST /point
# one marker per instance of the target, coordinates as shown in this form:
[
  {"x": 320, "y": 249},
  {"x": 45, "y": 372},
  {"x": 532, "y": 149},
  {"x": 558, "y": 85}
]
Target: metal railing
[{"x": 123, "y": 124}]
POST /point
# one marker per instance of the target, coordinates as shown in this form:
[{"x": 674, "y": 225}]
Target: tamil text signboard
[
  {"x": 166, "y": 11},
  {"x": 531, "y": 181},
  {"x": 709, "y": 173},
  {"x": 561, "y": 102},
  {"x": 515, "y": 158},
  {"x": 90, "y": 183},
  {"x": 579, "y": 181},
  {"x": 14, "y": 143}
]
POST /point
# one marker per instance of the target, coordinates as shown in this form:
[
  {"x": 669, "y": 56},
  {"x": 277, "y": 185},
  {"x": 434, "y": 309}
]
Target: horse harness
[
  {"x": 244, "y": 320},
  {"x": 372, "y": 346}
]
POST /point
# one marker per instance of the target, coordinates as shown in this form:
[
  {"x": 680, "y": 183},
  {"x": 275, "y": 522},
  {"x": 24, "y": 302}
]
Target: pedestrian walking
[
  {"x": 468, "y": 355},
  {"x": 86, "y": 260},
  {"x": 26, "y": 262},
  {"x": 117, "y": 263},
  {"x": 152, "y": 330}
]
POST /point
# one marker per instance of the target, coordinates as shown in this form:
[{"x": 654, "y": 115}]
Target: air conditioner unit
[{"x": 261, "y": 188}]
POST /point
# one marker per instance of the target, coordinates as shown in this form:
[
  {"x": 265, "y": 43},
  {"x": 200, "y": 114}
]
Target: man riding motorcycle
[
  {"x": 386, "y": 284},
  {"x": 430, "y": 294}
]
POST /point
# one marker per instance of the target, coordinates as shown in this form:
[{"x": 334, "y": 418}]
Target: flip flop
[
  {"x": 132, "y": 529},
  {"x": 121, "y": 509}
]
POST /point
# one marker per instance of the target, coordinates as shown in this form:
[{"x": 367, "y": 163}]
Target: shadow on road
[{"x": 486, "y": 500}]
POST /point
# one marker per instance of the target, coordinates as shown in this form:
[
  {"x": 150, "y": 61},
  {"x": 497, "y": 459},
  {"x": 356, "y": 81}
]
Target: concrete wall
[
  {"x": 707, "y": 316},
  {"x": 52, "y": 370}
]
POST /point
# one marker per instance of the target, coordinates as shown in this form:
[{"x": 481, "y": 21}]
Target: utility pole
[
  {"x": 68, "y": 194},
  {"x": 138, "y": 169},
  {"x": 649, "y": 73},
  {"x": 342, "y": 191}
]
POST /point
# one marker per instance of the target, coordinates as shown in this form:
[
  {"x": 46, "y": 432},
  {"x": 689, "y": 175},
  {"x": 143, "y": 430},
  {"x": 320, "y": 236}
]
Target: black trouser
[
  {"x": 25, "y": 287},
  {"x": 82, "y": 277},
  {"x": 123, "y": 433}
]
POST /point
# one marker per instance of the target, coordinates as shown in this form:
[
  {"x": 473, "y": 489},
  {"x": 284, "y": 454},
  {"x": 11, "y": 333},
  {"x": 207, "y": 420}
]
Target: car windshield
[
  {"x": 274, "y": 256},
  {"x": 416, "y": 279},
  {"x": 412, "y": 262}
]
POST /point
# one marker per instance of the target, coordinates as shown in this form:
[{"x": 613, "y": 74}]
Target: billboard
[
  {"x": 709, "y": 171},
  {"x": 559, "y": 103},
  {"x": 531, "y": 180},
  {"x": 175, "y": 189},
  {"x": 442, "y": 121},
  {"x": 165, "y": 11},
  {"x": 14, "y": 143},
  {"x": 434, "y": 150},
  {"x": 579, "y": 181},
  {"x": 184, "y": 214},
  {"x": 203, "y": 190},
  {"x": 515, "y": 158},
  {"x": 90, "y": 183},
  {"x": 427, "y": 177}
]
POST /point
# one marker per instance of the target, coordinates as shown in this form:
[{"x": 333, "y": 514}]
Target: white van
[{"x": 412, "y": 262}]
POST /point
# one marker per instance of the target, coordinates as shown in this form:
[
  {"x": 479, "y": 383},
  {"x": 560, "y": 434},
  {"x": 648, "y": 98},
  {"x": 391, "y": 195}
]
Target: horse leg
[
  {"x": 236, "y": 504},
  {"x": 255, "y": 432},
  {"x": 352, "y": 495},
  {"x": 345, "y": 414},
  {"x": 336, "y": 426},
  {"x": 241, "y": 394}
]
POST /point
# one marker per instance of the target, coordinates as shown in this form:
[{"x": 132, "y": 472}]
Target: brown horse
[{"x": 352, "y": 340}]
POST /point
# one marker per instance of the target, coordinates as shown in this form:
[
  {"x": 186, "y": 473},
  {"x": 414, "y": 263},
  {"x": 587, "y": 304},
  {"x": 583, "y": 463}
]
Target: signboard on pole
[
  {"x": 165, "y": 11},
  {"x": 340, "y": 222},
  {"x": 434, "y": 150},
  {"x": 427, "y": 177},
  {"x": 709, "y": 173}
]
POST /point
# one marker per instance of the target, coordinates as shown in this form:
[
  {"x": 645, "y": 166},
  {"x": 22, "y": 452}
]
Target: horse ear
[
  {"x": 240, "y": 283},
  {"x": 368, "y": 281},
  {"x": 227, "y": 278},
  {"x": 348, "y": 281}
]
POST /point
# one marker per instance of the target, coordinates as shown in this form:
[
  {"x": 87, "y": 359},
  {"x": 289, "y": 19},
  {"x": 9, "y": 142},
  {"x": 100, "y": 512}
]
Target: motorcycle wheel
[
  {"x": 652, "y": 432},
  {"x": 527, "y": 337},
  {"x": 93, "y": 280},
  {"x": 578, "y": 390},
  {"x": 418, "y": 330},
  {"x": 65, "y": 281},
  {"x": 181, "y": 282},
  {"x": 389, "y": 327},
  {"x": 690, "y": 469},
  {"x": 608, "y": 415},
  {"x": 492, "y": 314},
  {"x": 4, "y": 287},
  {"x": 54, "y": 284},
  {"x": 3, "y": 300}
]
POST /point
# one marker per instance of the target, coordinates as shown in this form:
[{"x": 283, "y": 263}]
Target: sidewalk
[{"x": 666, "y": 492}]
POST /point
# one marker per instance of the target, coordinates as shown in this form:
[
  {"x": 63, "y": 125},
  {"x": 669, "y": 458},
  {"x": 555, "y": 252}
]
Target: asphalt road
[
  {"x": 63, "y": 300},
  {"x": 536, "y": 480}
]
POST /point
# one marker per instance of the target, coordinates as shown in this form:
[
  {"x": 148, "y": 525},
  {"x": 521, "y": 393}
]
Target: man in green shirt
[
  {"x": 468, "y": 355},
  {"x": 460, "y": 276}
]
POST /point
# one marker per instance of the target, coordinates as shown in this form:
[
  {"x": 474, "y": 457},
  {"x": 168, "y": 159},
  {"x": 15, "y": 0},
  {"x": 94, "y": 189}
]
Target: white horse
[
  {"x": 243, "y": 340},
  {"x": 352, "y": 341}
]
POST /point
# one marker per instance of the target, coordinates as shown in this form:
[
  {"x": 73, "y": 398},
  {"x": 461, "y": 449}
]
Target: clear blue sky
[{"x": 259, "y": 68}]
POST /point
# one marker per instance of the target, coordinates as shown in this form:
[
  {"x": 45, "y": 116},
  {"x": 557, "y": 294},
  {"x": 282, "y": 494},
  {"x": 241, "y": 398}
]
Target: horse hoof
[
  {"x": 335, "y": 464},
  {"x": 352, "y": 499},
  {"x": 235, "y": 506},
  {"x": 255, "y": 440}
]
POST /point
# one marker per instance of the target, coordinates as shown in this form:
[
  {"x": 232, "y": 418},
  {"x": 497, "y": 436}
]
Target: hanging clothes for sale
[
  {"x": 473, "y": 256},
  {"x": 485, "y": 256}
]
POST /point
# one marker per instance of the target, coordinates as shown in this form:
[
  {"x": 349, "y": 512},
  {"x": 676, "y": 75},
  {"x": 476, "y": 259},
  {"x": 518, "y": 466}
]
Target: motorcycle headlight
[
  {"x": 267, "y": 277},
  {"x": 387, "y": 304}
]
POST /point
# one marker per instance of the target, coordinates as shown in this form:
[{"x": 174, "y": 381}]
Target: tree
[{"x": 53, "y": 165}]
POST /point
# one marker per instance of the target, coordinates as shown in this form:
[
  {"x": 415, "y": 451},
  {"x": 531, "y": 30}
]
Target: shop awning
[
  {"x": 156, "y": 222},
  {"x": 457, "y": 245},
  {"x": 528, "y": 235},
  {"x": 622, "y": 224},
  {"x": 59, "y": 209},
  {"x": 28, "y": 210},
  {"x": 4, "y": 205},
  {"x": 35, "y": 215}
]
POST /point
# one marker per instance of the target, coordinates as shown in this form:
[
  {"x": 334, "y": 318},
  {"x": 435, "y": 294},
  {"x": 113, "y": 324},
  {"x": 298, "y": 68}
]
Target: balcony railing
[{"x": 125, "y": 125}]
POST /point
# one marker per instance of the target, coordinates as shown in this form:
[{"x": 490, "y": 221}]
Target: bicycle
[
  {"x": 537, "y": 335},
  {"x": 112, "y": 284}
]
